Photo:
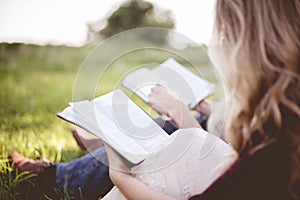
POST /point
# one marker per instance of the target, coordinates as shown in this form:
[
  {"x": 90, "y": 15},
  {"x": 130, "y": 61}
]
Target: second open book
[{"x": 188, "y": 87}]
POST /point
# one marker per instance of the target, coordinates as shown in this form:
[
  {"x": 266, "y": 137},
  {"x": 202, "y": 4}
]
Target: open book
[
  {"x": 119, "y": 122},
  {"x": 188, "y": 87}
]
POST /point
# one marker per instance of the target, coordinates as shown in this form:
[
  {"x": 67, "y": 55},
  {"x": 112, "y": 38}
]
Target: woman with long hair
[{"x": 256, "y": 48}]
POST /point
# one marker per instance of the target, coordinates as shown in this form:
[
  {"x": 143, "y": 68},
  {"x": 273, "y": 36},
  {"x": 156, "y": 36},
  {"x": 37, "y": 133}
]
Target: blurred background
[{"x": 42, "y": 45}]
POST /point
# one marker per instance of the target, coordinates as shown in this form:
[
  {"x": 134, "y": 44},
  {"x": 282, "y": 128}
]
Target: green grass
[{"x": 36, "y": 82}]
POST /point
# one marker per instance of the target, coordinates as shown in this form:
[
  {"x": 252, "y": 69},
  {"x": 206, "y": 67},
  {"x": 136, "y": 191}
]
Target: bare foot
[{"x": 23, "y": 164}]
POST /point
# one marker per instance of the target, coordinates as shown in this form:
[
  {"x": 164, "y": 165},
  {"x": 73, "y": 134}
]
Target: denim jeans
[{"x": 86, "y": 177}]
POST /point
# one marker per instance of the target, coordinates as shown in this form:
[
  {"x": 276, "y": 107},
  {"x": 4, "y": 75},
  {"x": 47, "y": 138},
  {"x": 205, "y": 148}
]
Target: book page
[
  {"x": 74, "y": 117},
  {"x": 131, "y": 120},
  {"x": 118, "y": 122},
  {"x": 189, "y": 87},
  {"x": 108, "y": 131},
  {"x": 100, "y": 125},
  {"x": 141, "y": 82}
]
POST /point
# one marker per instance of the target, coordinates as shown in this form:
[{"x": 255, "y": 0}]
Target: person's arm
[
  {"x": 165, "y": 102},
  {"x": 134, "y": 189},
  {"x": 130, "y": 187}
]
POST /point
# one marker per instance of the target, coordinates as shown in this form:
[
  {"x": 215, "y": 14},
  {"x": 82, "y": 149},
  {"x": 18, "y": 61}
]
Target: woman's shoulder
[{"x": 263, "y": 175}]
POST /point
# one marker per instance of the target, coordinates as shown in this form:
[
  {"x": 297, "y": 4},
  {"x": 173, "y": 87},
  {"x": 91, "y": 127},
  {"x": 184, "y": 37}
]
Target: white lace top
[{"x": 183, "y": 166}]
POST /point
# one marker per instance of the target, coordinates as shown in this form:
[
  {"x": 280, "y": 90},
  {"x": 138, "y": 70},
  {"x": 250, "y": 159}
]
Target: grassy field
[{"x": 36, "y": 82}]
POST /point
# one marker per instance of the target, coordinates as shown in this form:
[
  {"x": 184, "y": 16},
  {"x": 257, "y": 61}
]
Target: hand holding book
[{"x": 164, "y": 101}]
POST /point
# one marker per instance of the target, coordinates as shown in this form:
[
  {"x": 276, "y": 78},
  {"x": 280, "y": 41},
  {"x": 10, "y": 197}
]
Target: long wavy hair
[{"x": 257, "y": 49}]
